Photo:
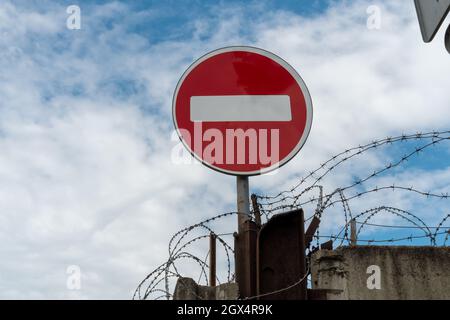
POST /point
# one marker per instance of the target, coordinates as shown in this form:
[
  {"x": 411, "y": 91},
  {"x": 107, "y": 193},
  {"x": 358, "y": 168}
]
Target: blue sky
[{"x": 87, "y": 176}]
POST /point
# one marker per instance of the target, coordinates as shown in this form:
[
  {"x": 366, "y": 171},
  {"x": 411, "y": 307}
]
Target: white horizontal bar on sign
[{"x": 241, "y": 108}]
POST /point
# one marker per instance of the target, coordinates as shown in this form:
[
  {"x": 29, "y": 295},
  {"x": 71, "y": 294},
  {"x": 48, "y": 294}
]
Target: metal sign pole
[
  {"x": 245, "y": 241},
  {"x": 243, "y": 202}
]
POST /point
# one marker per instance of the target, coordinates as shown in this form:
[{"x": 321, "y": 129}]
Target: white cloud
[{"x": 85, "y": 126}]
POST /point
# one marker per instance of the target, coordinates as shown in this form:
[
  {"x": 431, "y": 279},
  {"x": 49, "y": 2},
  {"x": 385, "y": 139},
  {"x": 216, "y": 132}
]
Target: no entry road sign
[{"x": 242, "y": 110}]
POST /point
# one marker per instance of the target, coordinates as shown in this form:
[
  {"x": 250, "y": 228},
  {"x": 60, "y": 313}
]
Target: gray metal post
[{"x": 243, "y": 202}]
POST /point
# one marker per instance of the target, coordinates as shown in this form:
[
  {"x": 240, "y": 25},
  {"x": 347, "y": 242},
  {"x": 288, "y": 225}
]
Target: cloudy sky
[{"x": 86, "y": 135}]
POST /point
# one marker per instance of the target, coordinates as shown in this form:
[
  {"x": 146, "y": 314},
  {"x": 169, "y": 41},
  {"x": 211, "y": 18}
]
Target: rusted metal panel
[
  {"x": 327, "y": 245},
  {"x": 281, "y": 257}
]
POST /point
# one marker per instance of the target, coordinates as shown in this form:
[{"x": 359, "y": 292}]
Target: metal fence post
[
  {"x": 256, "y": 211},
  {"x": 353, "y": 237},
  {"x": 212, "y": 260}
]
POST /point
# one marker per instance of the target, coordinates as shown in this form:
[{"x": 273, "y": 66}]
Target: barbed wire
[
  {"x": 391, "y": 240},
  {"x": 397, "y": 226},
  {"x": 346, "y": 155},
  {"x": 311, "y": 190}
]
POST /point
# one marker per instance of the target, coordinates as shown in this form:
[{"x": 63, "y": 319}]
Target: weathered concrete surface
[
  {"x": 188, "y": 289},
  {"x": 405, "y": 272}
]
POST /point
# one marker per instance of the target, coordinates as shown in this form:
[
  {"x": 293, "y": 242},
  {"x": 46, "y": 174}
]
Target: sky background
[{"x": 86, "y": 135}]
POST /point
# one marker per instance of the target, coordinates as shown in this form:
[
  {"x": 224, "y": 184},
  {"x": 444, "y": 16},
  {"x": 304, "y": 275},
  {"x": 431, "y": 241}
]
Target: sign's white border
[{"x": 295, "y": 75}]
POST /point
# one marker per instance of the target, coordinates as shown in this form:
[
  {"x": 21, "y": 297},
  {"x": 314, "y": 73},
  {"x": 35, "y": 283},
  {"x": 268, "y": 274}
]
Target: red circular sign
[{"x": 242, "y": 110}]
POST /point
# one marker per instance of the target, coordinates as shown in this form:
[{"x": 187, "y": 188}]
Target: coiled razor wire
[{"x": 157, "y": 283}]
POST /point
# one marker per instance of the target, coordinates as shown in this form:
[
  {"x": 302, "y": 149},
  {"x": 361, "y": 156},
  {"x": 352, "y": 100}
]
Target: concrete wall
[
  {"x": 188, "y": 289},
  {"x": 404, "y": 272}
]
